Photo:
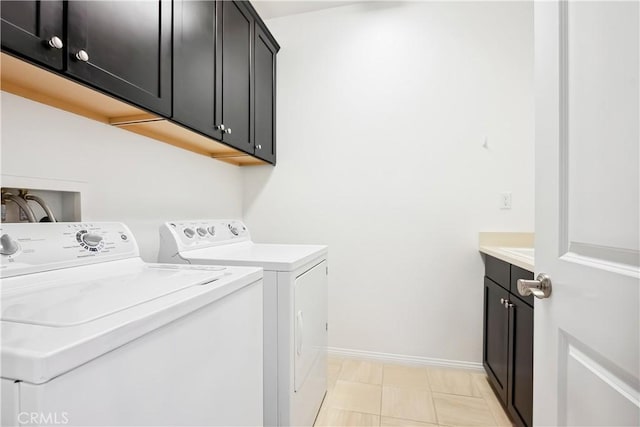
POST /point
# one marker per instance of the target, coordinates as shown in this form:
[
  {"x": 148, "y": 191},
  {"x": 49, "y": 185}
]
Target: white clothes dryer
[
  {"x": 92, "y": 335},
  {"x": 295, "y": 308}
]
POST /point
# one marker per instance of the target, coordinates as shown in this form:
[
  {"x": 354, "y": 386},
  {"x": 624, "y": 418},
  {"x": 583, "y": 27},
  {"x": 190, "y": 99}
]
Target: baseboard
[{"x": 404, "y": 359}]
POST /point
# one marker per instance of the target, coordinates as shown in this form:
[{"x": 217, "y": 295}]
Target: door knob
[
  {"x": 540, "y": 288},
  {"x": 228, "y": 130},
  {"x": 219, "y": 127}
]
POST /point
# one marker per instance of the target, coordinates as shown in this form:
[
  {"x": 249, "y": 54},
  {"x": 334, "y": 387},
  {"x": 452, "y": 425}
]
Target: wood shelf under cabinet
[{"x": 29, "y": 81}]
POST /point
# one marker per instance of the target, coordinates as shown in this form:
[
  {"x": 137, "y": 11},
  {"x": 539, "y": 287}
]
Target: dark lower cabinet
[
  {"x": 34, "y": 30},
  {"x": 520, "y": 391},
  {"x": 508, "y": 339},
  {"x": 264, "y": 77},
  {"x": 123, "y": 48},
  {"x": 496, "y": 336}
]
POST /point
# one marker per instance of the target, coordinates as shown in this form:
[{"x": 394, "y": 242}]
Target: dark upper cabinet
[
  {"x": 123, "y": 48},
  {"x": 194, "y": 66},
  {"x": 34, "y": 30},
  {"x": 496, "y": 336},
  {"x": 264, "y": 78},
  {"x": 234, "y": 97},
  {"x": 508, "y": 338}
]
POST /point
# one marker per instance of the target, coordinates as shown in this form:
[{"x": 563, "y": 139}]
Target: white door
[{"x": 586, "y": 357}]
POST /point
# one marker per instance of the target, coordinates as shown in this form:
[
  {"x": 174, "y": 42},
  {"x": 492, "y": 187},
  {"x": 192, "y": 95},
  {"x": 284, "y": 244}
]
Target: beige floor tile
[
  {"x": 455, "y": 410},
  {"x": 405, "y": 376},
  {"x": 409, "y": 403},
  {"x": 356, "y": 397},
  {"x": 333, "y": 372},
  {"x": 482, "y": 384},
  {"x": 397, "y": 422},
  {"x": 330, "y": 417},
  {"x": 360, "y": 371},
  {"x": 497, "y": 410},
  {"x": 335, "y": 359},
  {"x": 453, "y": 381}
]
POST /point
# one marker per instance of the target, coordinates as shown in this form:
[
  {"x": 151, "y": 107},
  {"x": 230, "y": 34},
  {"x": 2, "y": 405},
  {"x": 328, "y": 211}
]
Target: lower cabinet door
[
  {"x": 496, "y": 336},
  {"x": 520, "y": 393}
]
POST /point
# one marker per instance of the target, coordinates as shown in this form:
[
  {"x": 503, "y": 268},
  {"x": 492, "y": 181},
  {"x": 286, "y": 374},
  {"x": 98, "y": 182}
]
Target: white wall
[
  {"x": 129, "y": 178},
  {"x": 382, "y": 112}
]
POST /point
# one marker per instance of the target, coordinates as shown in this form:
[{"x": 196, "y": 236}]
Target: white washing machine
[
  {"x": 92, "y": 335},
  {"x": 295, "y": 308}
]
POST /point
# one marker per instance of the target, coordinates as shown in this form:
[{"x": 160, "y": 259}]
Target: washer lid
[{"x": 74, "y": 300}]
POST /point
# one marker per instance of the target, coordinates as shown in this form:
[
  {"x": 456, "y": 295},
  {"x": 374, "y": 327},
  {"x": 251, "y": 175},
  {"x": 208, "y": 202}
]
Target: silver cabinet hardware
[
  {"x": 502, "y": 300},
  {"x": 219, "y": 127},
  {"x": 82, "y": 55},
  {"x": 540, "y": 288},
  {"x": 259, "y": 147},
  {"x": 228, "y": 130},
  {"x": 55, "y": 42}
]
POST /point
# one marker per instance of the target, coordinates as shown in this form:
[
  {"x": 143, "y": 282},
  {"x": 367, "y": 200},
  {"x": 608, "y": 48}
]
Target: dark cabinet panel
[
  {"x": 520, "y": 391},
  {"x": 265, "y": 96},
  {"x": 127, "y": 49},
  {"x": 496, "y": 335},
  {"x": 29, "y": 26},
  {"x": 235, "y": 99},
  {"x": 194, "y": 65},
  {"x": 508, "y": 339},
  {"x": 498, "y": 271}
]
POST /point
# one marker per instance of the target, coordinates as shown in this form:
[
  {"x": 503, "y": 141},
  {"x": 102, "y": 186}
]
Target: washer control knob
[
  {"x": 212, "y": 230},
  {"x": 9, "y": 246},
  {"x": 189, "y": 232},
  {"x": 91, "y": 240},
  {"x": 233, "y": 229},
  {"x": 201, "y": 232}
]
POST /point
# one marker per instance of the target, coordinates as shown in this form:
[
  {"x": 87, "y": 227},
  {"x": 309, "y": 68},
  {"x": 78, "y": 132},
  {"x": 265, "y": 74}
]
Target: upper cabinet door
[
  {"x": 235, "y": 25},
  {"x": 123, "y": 48},
  {"x": 30, "y": 29},
  {"x": 194, "y": 65},
  {"x": 265, "y": 49}
]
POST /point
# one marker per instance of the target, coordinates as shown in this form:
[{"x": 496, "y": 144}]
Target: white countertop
[{"x": 514, "y": 248}]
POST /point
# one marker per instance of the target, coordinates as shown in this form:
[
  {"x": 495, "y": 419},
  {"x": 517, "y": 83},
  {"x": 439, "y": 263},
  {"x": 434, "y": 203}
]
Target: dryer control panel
[
  {"x": 176, "y": 236},
  {"x": 36, "y": 247}
]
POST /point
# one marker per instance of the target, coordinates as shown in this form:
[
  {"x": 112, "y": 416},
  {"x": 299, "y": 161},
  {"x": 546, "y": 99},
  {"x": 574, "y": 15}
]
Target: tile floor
[{"x": 365, "y": 393}]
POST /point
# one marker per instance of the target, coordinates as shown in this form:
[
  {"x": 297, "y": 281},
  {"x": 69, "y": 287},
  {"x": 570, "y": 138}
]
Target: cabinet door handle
[
  {"x": 259, "y": 147},
  {"x": 219, "y": 127},
  {"x": 82, "y": 55},
  {"x": 55, "y": 42},
  {"x": 228, "y": 130}
]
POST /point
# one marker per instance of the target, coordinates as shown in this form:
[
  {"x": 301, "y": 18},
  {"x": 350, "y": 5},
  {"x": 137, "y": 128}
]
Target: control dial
[
  {"x": 233, "y": 229},
  {"x": 90, "y": 241},
  {"x": 201, "y": 232},
  {"x": 189, "y": 232},
  {"x": 9, "y": 246},
  {"x": 212, "y": 230}
]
